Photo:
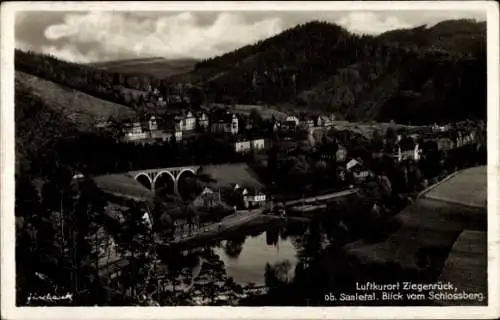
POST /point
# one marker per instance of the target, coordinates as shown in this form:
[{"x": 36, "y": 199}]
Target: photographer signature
[{"x": 50, "y": 297}]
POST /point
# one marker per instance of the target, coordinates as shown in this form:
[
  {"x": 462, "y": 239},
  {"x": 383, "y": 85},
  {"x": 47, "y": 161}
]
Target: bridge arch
[
  {"x": 144, "y": 179},
  {"x": 184, "y": 171},
  {"x": 172, "y": 179},
  {"x": 180, "y": 183}
]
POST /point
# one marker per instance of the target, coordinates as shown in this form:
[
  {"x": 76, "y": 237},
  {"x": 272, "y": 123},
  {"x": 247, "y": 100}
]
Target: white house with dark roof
[
  {"x": 251, "y": 197},
  {"x": 408, "y": 148},
  {"x": 292, "y": 119},
  {"x": 357, "y": 169}
]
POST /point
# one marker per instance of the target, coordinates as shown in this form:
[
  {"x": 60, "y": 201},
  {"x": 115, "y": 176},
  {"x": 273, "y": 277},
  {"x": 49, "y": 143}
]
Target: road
[
  {"x": 235, "y": 220},
  {"x": 243, "y": 217},
  {"x": 324, "y": 197}
]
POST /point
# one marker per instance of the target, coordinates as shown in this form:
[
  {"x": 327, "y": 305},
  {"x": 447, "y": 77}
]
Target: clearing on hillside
[{"x": 83, "y": 109}]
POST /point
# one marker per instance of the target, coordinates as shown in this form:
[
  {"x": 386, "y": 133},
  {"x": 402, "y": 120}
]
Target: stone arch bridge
[{"x": 152, "y": 178}]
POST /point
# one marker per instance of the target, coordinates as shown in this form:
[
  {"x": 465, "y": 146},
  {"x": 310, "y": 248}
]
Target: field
[
  {"x": 83, "y": 109},
  {"x": 468, "y": 187},
  {"x": 123, "y": 185},
  {"x": 428, "y": 224},
  {"x": 403, "y": 246},
  {"x": 467, "y": 263},
  {"x": 157, "y": 67},
  {"x": 228, "y": 174}
]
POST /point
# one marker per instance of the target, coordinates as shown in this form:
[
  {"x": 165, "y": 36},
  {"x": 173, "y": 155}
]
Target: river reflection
[
  {"x": 245, "y": 258},
  {"x": 244, "y": 265}
]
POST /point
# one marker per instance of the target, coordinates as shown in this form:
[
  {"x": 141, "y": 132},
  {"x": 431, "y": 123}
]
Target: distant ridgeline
[{"x": 418, "y": 75}]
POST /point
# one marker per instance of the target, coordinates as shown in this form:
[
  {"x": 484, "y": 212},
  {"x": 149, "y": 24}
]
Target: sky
[{"x": 96, "y": 36}]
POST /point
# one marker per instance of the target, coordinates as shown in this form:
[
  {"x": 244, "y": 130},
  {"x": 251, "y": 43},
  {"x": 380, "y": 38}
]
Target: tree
[
  {"x": 256, "y": 118},
  {"x": 234, "y": 246},
  {"x": 391, "y": 136},
  {"x": 196, "y": 96}
]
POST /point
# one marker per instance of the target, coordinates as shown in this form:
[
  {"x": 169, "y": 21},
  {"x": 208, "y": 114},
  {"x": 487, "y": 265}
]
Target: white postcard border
[{"x": 9, "y": 311}]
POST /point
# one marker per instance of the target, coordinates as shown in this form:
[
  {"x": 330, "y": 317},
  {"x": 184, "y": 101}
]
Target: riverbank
[{"x": 206, "y": 284}]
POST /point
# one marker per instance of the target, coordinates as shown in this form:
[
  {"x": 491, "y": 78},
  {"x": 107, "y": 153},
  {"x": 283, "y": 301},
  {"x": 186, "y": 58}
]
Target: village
[{"x": 248, "y": 189}]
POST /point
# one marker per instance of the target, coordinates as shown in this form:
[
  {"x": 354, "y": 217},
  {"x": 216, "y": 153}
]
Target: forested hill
[{"x": 418, "y": 75}]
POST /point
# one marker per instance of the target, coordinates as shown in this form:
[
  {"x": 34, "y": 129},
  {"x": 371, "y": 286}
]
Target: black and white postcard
[{"x": 258, "y": 155}]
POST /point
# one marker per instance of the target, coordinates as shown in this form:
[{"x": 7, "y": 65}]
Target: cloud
[
  {"x": 115, "y": 35},
  {"x": 174, "y": 36},
  {"x": 70, "y": 52},
  {"x": 371, "y": 23}
]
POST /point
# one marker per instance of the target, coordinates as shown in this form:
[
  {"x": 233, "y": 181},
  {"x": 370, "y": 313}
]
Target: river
[{"x": 248, "y": 263}]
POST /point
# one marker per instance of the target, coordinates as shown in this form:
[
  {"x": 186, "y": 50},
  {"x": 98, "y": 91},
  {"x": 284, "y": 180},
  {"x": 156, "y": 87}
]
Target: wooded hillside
[{"x": 417, "y": 75}]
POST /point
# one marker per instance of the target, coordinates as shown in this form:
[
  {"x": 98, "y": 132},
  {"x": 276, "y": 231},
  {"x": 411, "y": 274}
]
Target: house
[
  {"x": 151, "y": 124},
  {"x": 146, "y": 219},
  {"x": 254, "y": 198},
  {"x": 144, "y": 131},
  {"x": 160, "y": 135},
  {"x": 234, "y": 124},
  {"x": 104, "y": 124},
  {"x": 324, "y": 121},
  {"x": 243, "y": 146},
  {"x": 408, "y": 148},
  {"x": 257, "y": 144},
  {"x": 307, "y": 122},
  {"x": 292, "y": 119},
  {"x": 185, "y": 121},
  {"x": 173, "y": 98},
  {"x": 133, "y": 132},
  {"x": 247, "y": 197},
  {"x": 106, "y": 253},
  {"x": 351, "y": 164},
  {"x": 189, "y": 121},
  {"x": 224, "y": 122},
  {"x": 359, "y": 172},
  {"x": 437, "y": 128},
  {"x": 341, "y": 153},
  {"x": 332, "y": 152},
  {"x": 472, "y": 136},
  {"x": 340, "y": 173},
  {"x": 250, "y": 197},
  {"x": 203, "y": 121},
  {"x": 445, "y": 144},
  {"x": 463, "y": 138},
  {"x": 276, "y": 126},
  {"x": 207, "y": 198}
]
